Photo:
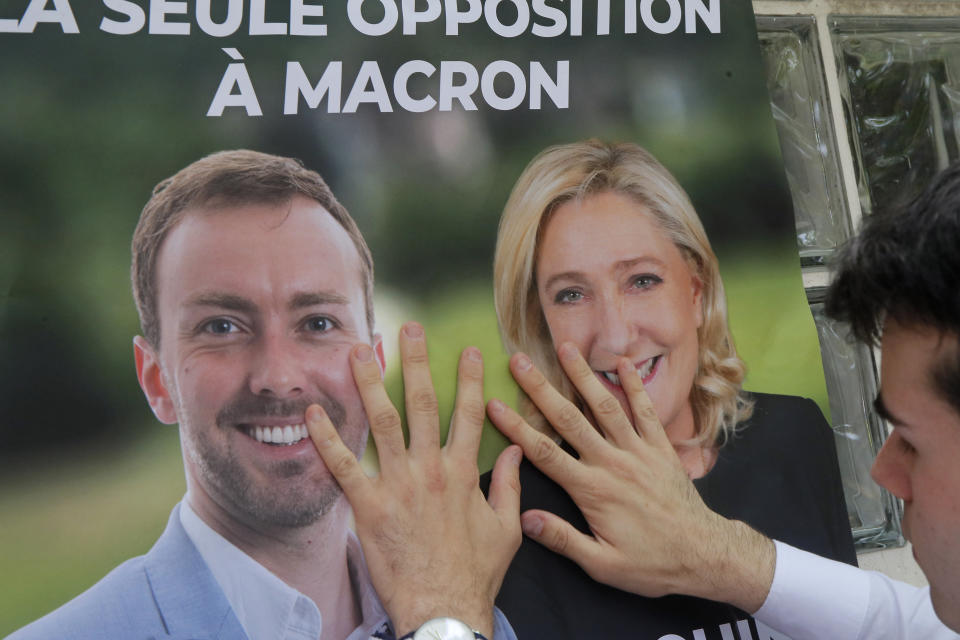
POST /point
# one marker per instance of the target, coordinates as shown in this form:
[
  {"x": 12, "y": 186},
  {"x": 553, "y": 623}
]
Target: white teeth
[
  {"x": 288, "y": 434},
  {"x": 647, "y": 367},
  {"x": 643, "y": 371}
]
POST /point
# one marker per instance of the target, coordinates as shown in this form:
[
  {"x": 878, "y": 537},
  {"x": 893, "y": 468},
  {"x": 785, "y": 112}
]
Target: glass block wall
[
  {"x": 901, "y": 93},
  {"x": 866, "y": 98}
]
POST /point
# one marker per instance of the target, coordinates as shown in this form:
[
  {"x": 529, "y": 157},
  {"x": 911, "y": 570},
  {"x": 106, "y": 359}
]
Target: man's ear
[
  {"x": 378, "y": 350},
  {"x": 150, "y": 377}
]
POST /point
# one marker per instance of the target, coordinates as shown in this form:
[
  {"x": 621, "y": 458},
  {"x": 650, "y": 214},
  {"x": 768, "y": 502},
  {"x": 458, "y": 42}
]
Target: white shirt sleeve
[{"x": 813, "y": 598}]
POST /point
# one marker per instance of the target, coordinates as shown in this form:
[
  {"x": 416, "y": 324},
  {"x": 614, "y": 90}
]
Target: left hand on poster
[
  {"x": 434, "y": 545},
  {"x": 651, "y": 532}
]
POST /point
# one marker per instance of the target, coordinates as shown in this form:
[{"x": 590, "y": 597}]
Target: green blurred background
[{"x": 90, "y": 122}]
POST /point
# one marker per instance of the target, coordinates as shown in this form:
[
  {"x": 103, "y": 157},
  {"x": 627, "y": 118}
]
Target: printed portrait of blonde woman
[{"x": 601, "y": 256}]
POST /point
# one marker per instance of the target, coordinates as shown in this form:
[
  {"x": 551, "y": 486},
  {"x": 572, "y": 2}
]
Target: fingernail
[
  {"x": 474, "y": 354},
  {"x": 627, "y": 364},
  {"x": 364, "y": 353},
  {"x": 496, "y": 406},
  {"x": 413, "y": 330},
  {"x": 568, "y": 351},
  {"x": 516, "y": 455},
  {"x": 314, "y": 413},
  {"x": 523, "y": 362},
  {"x": 531, "y": 525}
]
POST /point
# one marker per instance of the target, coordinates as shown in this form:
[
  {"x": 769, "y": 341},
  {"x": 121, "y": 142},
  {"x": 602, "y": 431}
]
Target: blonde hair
[{"x": 572, "y": 172}]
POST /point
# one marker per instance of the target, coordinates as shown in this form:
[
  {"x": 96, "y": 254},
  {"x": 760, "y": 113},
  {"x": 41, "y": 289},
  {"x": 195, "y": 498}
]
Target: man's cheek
[
  {"x": 330, "y": 367},
  {"x": 201, "y": 396}
]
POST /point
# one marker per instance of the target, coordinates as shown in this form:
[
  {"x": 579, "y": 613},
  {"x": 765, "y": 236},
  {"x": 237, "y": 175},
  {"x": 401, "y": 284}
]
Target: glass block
[
  {"x": 900, "y": 80},
  {"x": 851, "y": 382},
  {"x": 798, "y": 98}
]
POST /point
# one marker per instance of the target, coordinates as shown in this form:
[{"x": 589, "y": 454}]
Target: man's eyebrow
[
  {"x": 223, "y": 301},
  {"x": 884, "y": 412},
  {"x": 315, "y": 298}
]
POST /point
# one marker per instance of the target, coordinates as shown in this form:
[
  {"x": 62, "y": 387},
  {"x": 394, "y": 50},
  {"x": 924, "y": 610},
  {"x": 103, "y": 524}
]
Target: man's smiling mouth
[
  {"x": 277, "y": 435},
  {"x": 274, "y": 421},
  {"x": 643, "y": 370}
]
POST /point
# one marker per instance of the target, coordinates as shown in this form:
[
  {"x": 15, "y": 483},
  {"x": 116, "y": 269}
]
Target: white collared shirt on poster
[{"x": 266, "y": 607}]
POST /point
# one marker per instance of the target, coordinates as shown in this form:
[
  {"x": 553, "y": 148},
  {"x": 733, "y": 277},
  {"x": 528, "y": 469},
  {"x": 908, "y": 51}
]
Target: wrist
[{"x": 741, "y": 567}]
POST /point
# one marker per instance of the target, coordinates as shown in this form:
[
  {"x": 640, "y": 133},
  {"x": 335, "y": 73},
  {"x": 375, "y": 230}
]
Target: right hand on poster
[
  {"x": 434, "y": 546},
  {"x": 652, "y": 533}
]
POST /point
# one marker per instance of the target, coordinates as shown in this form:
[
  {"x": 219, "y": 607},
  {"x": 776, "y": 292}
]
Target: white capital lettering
[
  {"x": 558, "y": 89},
  {"x": 709, "y": 16},
  {"x": 369, "y": 74},
  {"x": 223, "y": 29},
  {"x": 297, "y": 84},
  {"x": 401, "y": 91},
  {"x": 158, "y": 18},
  {"x": 412, "y": 17},
  {"x": 576, "y": 17},
  {"x": 299, "y": 11},
  {"x": 449, "y": 91},
  {"x": 258, "y": 21},
  {"x": 455, "y": 17},
  {"x": 37, "y": 12},
  {"x": 559, "y": 18},
  {"x": 603, "y": 17},
  {"x": 390, "y": 16},
  {"x": 667, "y": 26},
  {"x": 235, "y": 76},
  {"x": 502, "y": 30},
  {"x": 136, "y": 18},
  {"x": 488, "y": 89}
]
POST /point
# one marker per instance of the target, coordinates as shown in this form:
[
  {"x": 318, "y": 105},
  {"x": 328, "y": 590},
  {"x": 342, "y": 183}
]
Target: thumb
[
  {"x": 505, "y": 484},
  {"x": 558, "y": 535}
]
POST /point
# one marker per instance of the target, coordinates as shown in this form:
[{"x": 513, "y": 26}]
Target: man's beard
[{"x": 287, "y": 498}]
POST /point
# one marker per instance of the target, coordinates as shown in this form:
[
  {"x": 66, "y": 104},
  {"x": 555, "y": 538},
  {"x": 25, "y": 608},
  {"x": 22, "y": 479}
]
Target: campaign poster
[{"x": 420, "y": 115}]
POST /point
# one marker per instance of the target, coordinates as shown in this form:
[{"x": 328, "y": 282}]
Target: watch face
[{"x": 444, "y": 629}]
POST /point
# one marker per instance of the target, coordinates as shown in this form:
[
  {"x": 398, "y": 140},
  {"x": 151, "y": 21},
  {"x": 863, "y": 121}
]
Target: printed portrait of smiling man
[
  {"x": 241, "y": 335},
  {"x": 254, "y": 288},
  {"x": 243, "y": 351}
]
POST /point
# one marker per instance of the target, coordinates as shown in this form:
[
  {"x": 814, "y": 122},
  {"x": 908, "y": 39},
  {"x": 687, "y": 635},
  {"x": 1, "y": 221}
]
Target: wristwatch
[{"x": 444, "y": 629}]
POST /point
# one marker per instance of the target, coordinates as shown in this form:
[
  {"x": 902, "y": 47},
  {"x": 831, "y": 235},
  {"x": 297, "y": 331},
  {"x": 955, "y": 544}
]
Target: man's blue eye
[
  {"x": 320, "y": 323},
  {"x": 220, "y": 326}
]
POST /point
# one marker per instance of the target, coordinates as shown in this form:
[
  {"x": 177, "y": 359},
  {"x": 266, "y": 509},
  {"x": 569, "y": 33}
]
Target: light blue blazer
[{"x": 168, "y": 593}]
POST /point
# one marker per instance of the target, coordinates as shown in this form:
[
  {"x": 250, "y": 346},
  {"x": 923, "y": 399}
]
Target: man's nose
[
  {"x": 276, "y": 369},
  {"x": 891, "y": 469}
]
